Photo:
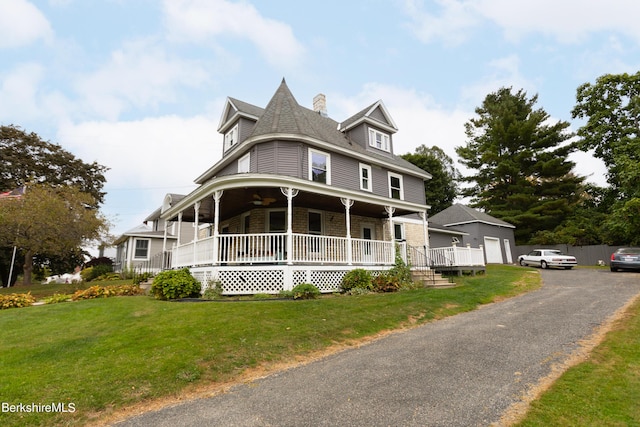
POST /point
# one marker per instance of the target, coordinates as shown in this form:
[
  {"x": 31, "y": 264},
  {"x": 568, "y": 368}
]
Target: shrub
[
  {"x": 386, "y": 282},
  {"x": 93, "y": 272},
  {"x": 99, "y": 261},
  {"x": 358, "y": 278},
  {"x": 16, "y": 300},
  {"x": 107, "y": 291},
  {"x": 56, "y": 298},
  {"x": 305, "y": 291},
  {"x": 174, "y": 284},
  {"x": 213, "y": 290}
]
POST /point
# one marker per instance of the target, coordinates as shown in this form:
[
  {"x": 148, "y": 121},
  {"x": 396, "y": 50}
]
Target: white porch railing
[
  {"x": 271, "y": 248},
  {"x": 454, "y": 256}
]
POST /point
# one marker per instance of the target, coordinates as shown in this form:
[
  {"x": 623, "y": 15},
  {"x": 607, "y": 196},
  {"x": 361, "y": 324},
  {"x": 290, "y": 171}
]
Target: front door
[{"x": 367, "y": 232}]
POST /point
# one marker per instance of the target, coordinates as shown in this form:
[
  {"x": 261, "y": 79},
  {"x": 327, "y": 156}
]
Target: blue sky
[{"x": 139, "y": 85}]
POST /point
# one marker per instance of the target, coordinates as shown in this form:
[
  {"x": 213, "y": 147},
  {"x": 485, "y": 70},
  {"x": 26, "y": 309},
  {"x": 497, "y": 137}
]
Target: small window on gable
[
  {"x": 244, "y": 163},
  {"x": 379, "y": 140},
  {"x": 396, "y": 190},
  {"x": 231, "y": 138},
  {"x": 319, "y": 167},
  {"x": 365, "y": 177},
  {"x": 141, "y": 249}
]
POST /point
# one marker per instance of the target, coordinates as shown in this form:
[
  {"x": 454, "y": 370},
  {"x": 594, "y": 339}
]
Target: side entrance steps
[{"x": 431, "y": 279}]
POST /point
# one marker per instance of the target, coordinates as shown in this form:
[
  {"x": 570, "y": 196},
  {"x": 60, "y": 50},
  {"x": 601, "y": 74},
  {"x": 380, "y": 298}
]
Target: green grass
[
  {"x": 105, "y": 354},
  {"x": 604, "y": 390}
]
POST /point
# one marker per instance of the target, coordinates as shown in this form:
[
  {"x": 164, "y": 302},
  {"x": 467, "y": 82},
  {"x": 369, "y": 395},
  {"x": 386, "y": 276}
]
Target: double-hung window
[
  {"x": 319, "y": 166},
  {"x": 396, "y": 190},
  {"x": 141, "y": 249},
  {"x": 365, "y": 177},
  {"x": 379, "y": 140},
  {"x": 244, "y": 163},
  {"x": 231, "y": 138}
]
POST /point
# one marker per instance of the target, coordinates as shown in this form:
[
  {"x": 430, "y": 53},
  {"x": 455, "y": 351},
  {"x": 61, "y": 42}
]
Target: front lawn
[{"x": 102, "y": 355}]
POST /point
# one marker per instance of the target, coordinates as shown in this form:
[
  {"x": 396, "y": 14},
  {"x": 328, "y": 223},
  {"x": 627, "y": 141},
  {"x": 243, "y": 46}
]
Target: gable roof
[
  {"x": 234, "y": 108},
  {"x": 283, "y": 115},
  {"x": 459, "y": 214},
  {"x": 143, "y": 231},
  {"x": 368, "y": 115}
]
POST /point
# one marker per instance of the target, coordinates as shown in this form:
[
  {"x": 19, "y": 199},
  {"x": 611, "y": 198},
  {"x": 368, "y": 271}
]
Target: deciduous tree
[
  {"x": 49, "y": 221},
  {"x": 27, "y": 159},
  {"x": 611, "y": 108},
  {"x": 442, "y": 189}
]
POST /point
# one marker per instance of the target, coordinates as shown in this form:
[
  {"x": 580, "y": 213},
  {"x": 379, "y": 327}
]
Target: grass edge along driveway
[{"x": 97, "y": 358}]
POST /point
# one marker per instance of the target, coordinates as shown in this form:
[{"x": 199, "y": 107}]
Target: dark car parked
[{"x": 625, "y": 259}]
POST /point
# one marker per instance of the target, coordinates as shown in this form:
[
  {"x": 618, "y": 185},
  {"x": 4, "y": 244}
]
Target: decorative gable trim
[
  {"x": 368, "y": 116},
  {"x": 231, "y": 113}
]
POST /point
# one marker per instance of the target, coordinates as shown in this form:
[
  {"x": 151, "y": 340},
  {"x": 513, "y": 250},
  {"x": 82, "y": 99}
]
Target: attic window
[
  {"x": 231, "y": 138},
  {"x": 379, "y": 140}
]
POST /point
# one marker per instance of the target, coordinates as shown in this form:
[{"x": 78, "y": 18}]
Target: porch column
[
  {"x": 290, "y": 193},
  {"x": 390, "y": 211},
  {"x": 347, "y": 208},
  {"x": 425, "y": 229},
  {"x": 216, "y": 222},
  {"x": 179, "y": 227},
  {"x": 196, "y": 209}
]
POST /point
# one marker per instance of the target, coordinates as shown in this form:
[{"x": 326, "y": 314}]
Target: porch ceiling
[{"x": 238, "y": 200}]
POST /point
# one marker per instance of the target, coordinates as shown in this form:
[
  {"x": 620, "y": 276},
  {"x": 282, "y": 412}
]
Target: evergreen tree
[{"x": 520, "y": 158}]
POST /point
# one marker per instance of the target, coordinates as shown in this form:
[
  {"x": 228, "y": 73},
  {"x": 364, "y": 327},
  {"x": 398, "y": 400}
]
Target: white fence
[{"x": 272, "y": 248}]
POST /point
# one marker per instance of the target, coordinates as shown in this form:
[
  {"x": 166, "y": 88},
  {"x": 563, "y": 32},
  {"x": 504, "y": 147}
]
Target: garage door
[{"x": 492, "y": 250}]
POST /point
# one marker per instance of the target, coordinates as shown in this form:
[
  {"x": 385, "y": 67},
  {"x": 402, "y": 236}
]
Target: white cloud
[
  {"x": 567, "y": 21},
  {"x": 147, "y": 159},
  {"x": 18, "y": 92},
  {"x": 202, "y": 20},
  {"x": 451, "y": 25},
  {"x": 151, "y": 152},
  {"x": 140, "y": 74},
  {"x": 21, "y": 23}
]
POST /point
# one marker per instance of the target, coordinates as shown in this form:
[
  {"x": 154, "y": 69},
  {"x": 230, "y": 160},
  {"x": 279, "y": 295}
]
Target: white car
[{"x": 545, "y": 258}]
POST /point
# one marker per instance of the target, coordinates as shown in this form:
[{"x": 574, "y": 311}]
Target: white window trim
[
  {"x": 403, "y": 236},
  {"x": 369, "y": 179},
  {"x": 386, "y": 140},
  {"x": 267, "y": 224},
  {"x": 310, "y": 161},
  {"x": 395, "y": 175},
  {"x": 244, "y": 160},
  {"x": 231, "y": 137},
  {"x": 135, "y": 245}
]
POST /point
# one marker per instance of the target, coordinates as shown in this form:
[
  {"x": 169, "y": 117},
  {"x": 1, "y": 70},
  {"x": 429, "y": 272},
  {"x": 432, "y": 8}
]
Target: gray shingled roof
[
  {"x": 461, "y": 214},
  {"x": 283, "y": 114}
]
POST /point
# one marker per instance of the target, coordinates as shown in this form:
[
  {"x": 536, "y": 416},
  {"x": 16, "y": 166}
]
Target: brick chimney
[{"x": 320, "y": 104}]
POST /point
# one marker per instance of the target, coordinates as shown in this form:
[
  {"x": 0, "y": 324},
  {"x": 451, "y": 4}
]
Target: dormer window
[
  {"x": 231, "y": 138},
  {"x": 379, "y": 140}
]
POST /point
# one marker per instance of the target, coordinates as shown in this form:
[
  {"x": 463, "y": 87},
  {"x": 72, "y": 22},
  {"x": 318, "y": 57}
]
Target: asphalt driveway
[{"x": 465, "y": 370}]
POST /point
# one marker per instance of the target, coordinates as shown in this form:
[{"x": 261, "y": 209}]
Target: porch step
[{"x": 431, "y": 279}]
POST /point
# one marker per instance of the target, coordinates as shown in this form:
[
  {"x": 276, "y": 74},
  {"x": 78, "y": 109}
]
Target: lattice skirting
[{"x": 273, "y": 279}]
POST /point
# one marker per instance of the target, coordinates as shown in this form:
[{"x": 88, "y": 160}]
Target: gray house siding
[{"x": 244, "y": 129}]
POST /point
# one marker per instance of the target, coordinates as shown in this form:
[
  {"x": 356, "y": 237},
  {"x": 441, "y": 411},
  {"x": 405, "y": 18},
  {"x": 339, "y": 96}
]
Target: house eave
[
  {"x": 453, "y": 224},
  {"x": 243, "y": 147},
  {"x": 267, "y": 180}
]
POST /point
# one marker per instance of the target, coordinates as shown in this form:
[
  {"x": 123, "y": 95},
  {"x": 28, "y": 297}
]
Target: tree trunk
[{"x": 28, "y": 268}]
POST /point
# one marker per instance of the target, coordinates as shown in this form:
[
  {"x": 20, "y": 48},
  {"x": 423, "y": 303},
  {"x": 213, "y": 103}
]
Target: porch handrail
[{"x": 270, "y": 248}]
